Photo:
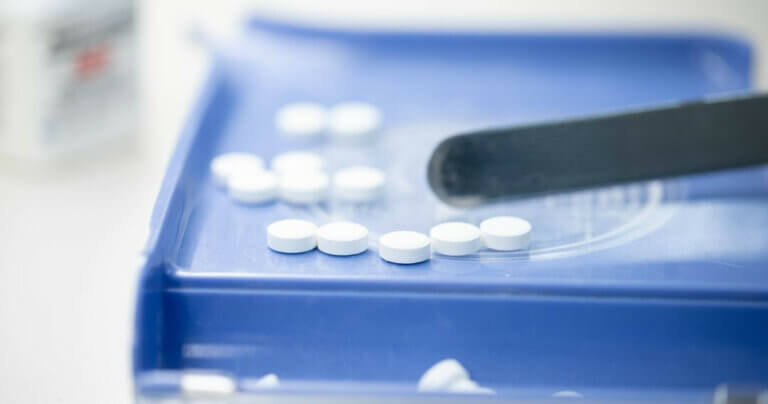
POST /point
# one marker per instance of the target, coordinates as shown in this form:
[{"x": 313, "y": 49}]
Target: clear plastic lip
[{"x": 564, "y": 225}]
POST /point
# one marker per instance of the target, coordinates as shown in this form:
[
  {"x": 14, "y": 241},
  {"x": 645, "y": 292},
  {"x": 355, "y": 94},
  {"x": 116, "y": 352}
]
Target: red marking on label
[{"x": 92, "y": 61}]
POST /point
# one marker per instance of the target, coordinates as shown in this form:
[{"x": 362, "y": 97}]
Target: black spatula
[{"x": 489, "y": 165}]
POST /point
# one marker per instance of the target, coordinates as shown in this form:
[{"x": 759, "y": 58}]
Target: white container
[{"x": 67, "y": 76}]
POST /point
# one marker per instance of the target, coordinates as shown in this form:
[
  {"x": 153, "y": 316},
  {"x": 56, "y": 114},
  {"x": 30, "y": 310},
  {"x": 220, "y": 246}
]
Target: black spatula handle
[{"x": 494, "y": 164}]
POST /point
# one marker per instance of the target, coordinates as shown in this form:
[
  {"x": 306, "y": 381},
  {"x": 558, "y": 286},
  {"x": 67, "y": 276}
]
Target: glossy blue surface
[{"x": 647, "y": 287}]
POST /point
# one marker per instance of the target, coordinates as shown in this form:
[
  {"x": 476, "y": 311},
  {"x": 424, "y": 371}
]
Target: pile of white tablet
[
  {"x": 503, "y": 233},
  {"x": 300, "y": 177},
  {"x": 297, "y": 177},
  {"x": 351, "y": 121}
]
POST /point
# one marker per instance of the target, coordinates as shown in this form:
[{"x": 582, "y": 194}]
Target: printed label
[{"x": 92, "y": 79}]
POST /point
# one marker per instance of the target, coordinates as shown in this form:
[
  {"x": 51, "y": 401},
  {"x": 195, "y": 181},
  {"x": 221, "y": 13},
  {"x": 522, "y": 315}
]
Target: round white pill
[
  {"x": 463, "y": 386},
  {"x": 304, "y": 187},
  {"x": 505, "y": 233},
  {"x": 225, "y": 165},
  {"x": 442, "y": 375},
  {"x": 404, "y": 247},
  {"x": 206, "y": 384},
  {"x": 292, "y": 236},
  {"x": 297, "y": 161},
  {"x": 455, "y": 238},
  {"x": 468, "y": 386},
  {"x": 268, "y": 381},
  {"x": 354, "y": 120},
  {"x": 301, "y": 120},
  {"x": 258, "y": 187},
  {"x": 358, "y": 184},
  {"x": 342, "y": 238}
]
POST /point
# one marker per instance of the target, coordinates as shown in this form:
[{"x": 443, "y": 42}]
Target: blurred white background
[{"x": 70, "y": 240}]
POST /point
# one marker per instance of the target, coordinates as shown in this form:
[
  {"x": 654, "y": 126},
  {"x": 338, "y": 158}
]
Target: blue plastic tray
[{"x": 631, "y": 291}]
